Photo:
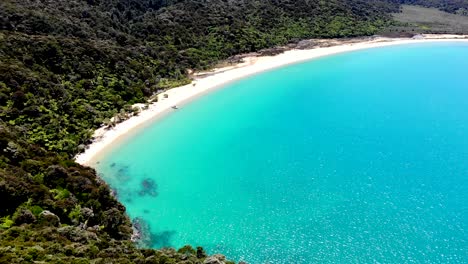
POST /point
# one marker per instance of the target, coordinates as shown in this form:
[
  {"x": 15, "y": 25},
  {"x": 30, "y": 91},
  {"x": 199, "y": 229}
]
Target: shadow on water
[{"x": 146, "y": 238}]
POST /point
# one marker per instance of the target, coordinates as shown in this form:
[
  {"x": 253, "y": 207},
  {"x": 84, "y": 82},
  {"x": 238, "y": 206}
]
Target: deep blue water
[{"x": 360, "y": 157}]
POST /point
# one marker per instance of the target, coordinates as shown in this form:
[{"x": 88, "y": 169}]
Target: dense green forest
[{"x": 67, "y": 66}]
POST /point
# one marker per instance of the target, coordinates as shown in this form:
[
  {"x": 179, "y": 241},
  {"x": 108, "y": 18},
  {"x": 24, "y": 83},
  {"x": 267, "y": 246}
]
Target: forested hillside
[{"x": 67, "y": 66}]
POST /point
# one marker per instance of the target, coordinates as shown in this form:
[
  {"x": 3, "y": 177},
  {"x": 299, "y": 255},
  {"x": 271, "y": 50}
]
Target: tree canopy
[{"x": 68, "y": 65}]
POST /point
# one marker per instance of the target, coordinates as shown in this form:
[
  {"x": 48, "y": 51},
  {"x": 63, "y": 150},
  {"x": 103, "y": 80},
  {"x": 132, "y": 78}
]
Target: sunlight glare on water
[{"x": 360, "y": 157}]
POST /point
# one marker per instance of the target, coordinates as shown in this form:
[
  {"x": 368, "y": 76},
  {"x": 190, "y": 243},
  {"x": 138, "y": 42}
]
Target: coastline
[{"x": 104, "y": 138}]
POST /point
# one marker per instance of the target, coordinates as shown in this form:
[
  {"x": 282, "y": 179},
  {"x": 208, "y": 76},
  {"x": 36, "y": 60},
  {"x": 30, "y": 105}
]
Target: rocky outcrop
[
  {"x": 77, "y": 234},
  {"x": 215, "y": 259},
  {"x": 24, "y": 216},
  {"x": 141, "y": 233},
  {"x": 47, "y": 218},
  {"x": 148, "y": 187}
]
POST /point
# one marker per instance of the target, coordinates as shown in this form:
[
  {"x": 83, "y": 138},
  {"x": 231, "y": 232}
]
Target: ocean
[{"x": 360, "y": 157}]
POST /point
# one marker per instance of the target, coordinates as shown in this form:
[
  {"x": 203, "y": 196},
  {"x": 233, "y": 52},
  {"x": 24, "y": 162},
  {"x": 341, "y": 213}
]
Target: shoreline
[{"x": 104, "y": 139}]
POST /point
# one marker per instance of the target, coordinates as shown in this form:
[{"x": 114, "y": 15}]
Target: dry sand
[{"x": 104, "y": 138}]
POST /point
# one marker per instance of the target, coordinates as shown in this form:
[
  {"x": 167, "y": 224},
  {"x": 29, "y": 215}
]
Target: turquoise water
[{"x": 360, "y": 157}]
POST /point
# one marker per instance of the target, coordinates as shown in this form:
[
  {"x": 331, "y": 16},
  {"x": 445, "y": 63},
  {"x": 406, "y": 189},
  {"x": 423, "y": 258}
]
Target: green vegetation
[
  {"x": 459, "y": 7},
  {"x": 66, "y": 67},
  {"x": 430, "y": 20}
]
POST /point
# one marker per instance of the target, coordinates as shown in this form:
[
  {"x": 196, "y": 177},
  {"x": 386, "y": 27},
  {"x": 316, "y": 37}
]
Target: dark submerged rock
[
  {"x": 141, "y": 233},
  {"x": 148, "y": 187}
]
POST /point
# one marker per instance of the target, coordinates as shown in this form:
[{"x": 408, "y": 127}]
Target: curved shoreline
[{"x": 104, "y": 138}]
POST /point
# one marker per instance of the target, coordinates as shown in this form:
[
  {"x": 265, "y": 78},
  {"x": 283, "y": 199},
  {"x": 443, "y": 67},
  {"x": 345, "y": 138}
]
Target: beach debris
[
  {"x": 149, "y": 187},
  {"x": 175, "y": 107}
]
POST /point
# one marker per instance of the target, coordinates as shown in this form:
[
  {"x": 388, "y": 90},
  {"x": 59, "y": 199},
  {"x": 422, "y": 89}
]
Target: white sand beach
[{"x": 104, "y": 138}]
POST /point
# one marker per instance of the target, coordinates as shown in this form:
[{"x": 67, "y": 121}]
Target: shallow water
[{"x": 354, "y": 158}]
